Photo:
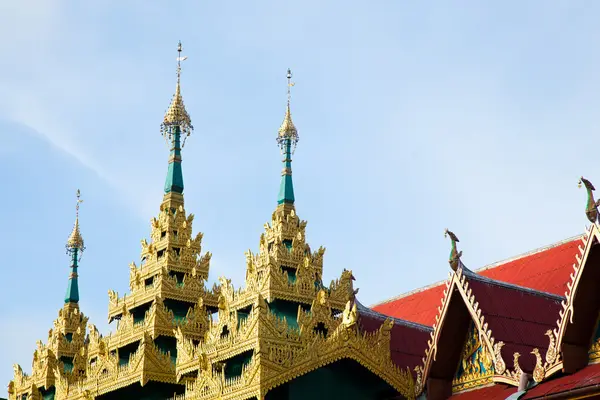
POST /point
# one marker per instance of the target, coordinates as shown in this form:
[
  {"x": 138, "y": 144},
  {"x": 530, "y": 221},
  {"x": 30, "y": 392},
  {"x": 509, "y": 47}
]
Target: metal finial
[
  {"x": 289, "y": 85},
  {"x": 179, "y": 60},
  {"x": 75, "y": 240},
  {"x": 287, "y": 130},
  {"x": 79, "y": 201},
  {"x": 176, "y": 115}
]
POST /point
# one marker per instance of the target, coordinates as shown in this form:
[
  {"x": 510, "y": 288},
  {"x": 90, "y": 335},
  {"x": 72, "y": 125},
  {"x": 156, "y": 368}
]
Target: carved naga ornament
[
  {"x": 591, "y": 208},
  {"x": 454, "y": 259}
]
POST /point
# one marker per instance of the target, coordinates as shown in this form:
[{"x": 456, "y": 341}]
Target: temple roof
[{"x": 545, "y": 269}]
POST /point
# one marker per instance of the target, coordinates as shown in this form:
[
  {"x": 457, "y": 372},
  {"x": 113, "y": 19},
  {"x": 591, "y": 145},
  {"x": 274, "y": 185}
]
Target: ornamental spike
[
  {"x": 287, "y": 130},
  {"x": 175, "y": 128},
  {"x": 75, "y": 240},
  {"x": 74, "y": 248},
  {"x": 176, "y": 115}
]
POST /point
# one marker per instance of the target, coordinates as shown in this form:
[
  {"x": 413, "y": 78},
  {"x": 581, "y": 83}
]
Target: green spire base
[
  {"x": 286, "y": 188},
  {"x": 72, "y": 295},
  {"x": 174, "y": 181}
]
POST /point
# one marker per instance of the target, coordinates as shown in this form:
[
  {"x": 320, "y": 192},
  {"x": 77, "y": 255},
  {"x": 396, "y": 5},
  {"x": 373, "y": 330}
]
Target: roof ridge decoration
[
  {"x": 554, "y": 359},
  {"x": 454, "y": 259},
  {"x": 591, "y": 208},
  {"x": 554, "y": 356}
]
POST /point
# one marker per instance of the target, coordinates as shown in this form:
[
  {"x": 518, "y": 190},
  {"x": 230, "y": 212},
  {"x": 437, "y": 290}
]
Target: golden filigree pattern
[
  {"x": 477, "y": 364},
  {"x": 282, "y": 352}
]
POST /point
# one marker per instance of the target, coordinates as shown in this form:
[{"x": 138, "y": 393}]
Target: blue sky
[{"x": 476, "y": 116}]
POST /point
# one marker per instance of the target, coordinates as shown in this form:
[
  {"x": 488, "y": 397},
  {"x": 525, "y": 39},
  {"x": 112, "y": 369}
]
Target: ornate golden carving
[
  {"x": 281, "y": 348},
  {"x": 65, "y": 352},
  {"x": 591, "y": 208},
  {"x": 477, "y": 364},
  {"x": 538, "y": 372},
  {"x": 551, "y": 353},
  {"x": 499, "y": 363},
  {"x": 282, "y": 352},
  {"x": 172, "y": 268},
  {"x": 454, "y": 259}
]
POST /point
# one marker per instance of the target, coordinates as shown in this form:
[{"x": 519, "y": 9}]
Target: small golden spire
[
  {"x": 75, "y": 240},
  {"x": 288, "y": 130},
  {"x": 176, "y": 115}
]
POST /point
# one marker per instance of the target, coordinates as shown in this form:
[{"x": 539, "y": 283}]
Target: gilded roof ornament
[
  {"x": 176, "y": 115},
  {"x": 591, "y": 208},
  {"x": 75, "y": 240},
  {"x": 287, "y": 130},
  {"x": 454, "y": 259}
]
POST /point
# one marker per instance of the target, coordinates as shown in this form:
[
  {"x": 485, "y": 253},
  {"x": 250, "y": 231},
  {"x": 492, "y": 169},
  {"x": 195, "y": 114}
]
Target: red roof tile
[
  {"x": 496, "y": 392},
  {"x": 546, "y": 270},
  {"x": 420, "y": 307},
  {"x": 589, "y": 376}
]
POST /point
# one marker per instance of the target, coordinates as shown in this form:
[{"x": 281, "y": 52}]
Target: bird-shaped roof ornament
[
  {"x": 454, "y": 259},
  {"x": 591, "y": 208}
]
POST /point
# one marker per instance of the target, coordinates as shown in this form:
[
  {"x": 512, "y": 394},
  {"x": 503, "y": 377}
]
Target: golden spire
[
  {"x": 75, "y": 240},
  {"x": 288, "y": 130},
  {"x": 176, "y": 115}
]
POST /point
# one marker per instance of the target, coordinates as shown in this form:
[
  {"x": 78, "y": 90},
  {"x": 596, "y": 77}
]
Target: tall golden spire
[
  {"x": 75, "y": 248},
  {"x": 75, "y": 240},
  {"x": 287, "y": 140},
  {"x": 177, "y": 116}
]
